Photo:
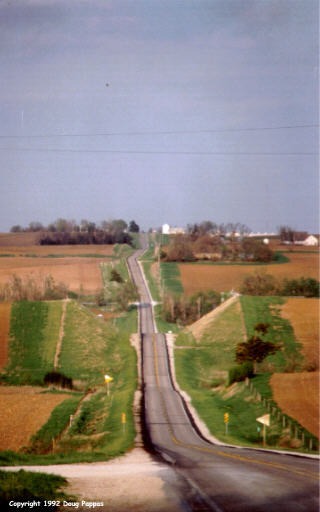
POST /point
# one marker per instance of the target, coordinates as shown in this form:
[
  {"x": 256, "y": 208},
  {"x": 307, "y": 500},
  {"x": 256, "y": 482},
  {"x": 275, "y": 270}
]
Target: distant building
[
  {"x": 176, "y": 231},
  {"x": 311, "y": 240},
  {"x": 167, "y": 230}
]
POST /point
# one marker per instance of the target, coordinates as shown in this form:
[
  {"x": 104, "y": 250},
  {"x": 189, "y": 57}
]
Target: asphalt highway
[{"x": 226, "y": 479}]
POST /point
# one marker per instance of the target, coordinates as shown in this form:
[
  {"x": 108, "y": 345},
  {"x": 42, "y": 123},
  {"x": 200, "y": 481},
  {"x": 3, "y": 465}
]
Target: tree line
[
  {"x": 261, "y": 283},
  {"x": 192, "y": 247},
  {"x": 68, "y": 232}
]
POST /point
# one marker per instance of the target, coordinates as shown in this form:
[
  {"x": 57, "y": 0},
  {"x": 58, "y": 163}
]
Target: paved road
[{"x": 228, "y": 479}]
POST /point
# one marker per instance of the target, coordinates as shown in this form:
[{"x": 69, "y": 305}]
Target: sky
[{"x": 161, "y": 111}]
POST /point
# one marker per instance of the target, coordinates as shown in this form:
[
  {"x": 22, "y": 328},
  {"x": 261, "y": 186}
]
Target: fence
[{"x": 293, "y": 427}]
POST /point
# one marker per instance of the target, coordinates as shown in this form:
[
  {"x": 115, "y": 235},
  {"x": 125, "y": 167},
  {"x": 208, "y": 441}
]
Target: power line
[
  {"x": 167, "y": 132},
  {"x": 136, "y": 152}
]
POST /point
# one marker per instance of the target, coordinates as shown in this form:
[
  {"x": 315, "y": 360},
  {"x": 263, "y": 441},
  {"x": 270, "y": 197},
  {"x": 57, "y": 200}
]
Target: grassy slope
[
  {"x": 25, "y": 486},
  {"x": 198, "y": 370},
  {"x": 170, "y": 276},
  {"x": 90, "y": 349},
  {"x": 201, "y": 371},
  {"x": 34, "y": 331},
  {"x": 267, "y": 309}
]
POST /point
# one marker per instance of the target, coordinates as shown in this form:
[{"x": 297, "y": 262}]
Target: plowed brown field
[
  {"x": 227, "y": 277},
  {"x": 45, "y": 250},
  {"x": 303, "y": 315},
  {"x": 26, "y": 410},
  {"x": 20, "y": 239},
  {"x": 75, "y": 272},
  {"x": 5, "y": 310},
  {"x": 297, "y": 394}
]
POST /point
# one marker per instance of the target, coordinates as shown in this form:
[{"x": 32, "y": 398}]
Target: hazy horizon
[{"x": 172, "y": 111}]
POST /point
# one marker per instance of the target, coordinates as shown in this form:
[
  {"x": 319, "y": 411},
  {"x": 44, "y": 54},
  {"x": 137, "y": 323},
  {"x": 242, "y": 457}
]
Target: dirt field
[
  {"x": 45, "y": 250},
  {"x": 228, "y": 277},
  {"x": 297, "y": 394},
  {"x": 75, "y": 272},
  {"x": 18, "y": 239},
  {"x": 303, "y": 315},
  {"x": 5, "y": 310},
  {"x": 26, "y": 410}
]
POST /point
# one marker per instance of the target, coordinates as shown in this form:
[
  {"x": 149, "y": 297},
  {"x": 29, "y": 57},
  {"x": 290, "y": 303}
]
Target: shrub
[
  {"x": 58, "y": 379},
  {"x": 308, "y": 287},
  {"x": 29, "y": 289},
  {"x": 115, "y": 276},
  {"x": 240, "y": 372},
  {"x": 260, "y": 283},
  {"x": 187, "y": 310}
]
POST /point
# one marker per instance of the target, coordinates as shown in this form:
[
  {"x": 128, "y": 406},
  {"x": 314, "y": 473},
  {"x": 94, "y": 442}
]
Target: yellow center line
[{"x": 211, "y": 450}]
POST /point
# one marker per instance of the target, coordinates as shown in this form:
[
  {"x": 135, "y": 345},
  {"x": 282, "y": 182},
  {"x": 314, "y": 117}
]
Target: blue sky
[{"x": 182, "y": 131}]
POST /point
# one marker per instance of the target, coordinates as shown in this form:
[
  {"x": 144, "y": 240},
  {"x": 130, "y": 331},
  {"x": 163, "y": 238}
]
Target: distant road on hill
[{"x": 223, "y": 478}]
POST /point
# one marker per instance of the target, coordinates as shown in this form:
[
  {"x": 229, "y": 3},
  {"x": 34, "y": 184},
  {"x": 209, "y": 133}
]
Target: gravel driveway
[{"x": 135, "y": 482}]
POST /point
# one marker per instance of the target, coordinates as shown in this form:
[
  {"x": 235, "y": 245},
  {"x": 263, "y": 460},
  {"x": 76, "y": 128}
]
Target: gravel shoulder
[{"x": 134, "y": 482}]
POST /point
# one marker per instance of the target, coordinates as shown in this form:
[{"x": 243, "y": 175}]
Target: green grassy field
[
  {"x": 170, "y": 278},
  {"x": 202, "y": 372},
  {"x": 28, "y": 487},
  {"x": 34, "y": 331},
  {"x": 215, "y": 352},
  {"x": 152, "y": 283},
  {"x": 91, "y": 348},
  {"x": 267, "y": 310}
]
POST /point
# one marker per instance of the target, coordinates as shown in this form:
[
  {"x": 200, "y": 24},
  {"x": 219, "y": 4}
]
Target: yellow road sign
[{"x": 107, "y": 378}]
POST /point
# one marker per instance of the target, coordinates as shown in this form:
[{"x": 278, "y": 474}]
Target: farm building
[
  {"x": 305, "y": 239},
  {"x": 311, "y": 240},
  {"x": 167, "y": 230}
]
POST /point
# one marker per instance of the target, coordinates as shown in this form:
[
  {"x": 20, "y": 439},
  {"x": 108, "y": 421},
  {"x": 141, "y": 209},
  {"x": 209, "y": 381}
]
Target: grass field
[
  {"x": 195, "y": 277},
  {"x": 268, "y": 310},
  {"x": 26, "y": 410},
  {"x": 86, "y": 346},
  {"x": 202, "y": 366},
  {"x": 31, "y": 487},
  {"x": 91, "y": 348},
  {"x": 171, "y": 278},
  {"x": 5, "y": 312},
  {"x": 28, "y": 361},
  {"x": 215, "y": 348}
]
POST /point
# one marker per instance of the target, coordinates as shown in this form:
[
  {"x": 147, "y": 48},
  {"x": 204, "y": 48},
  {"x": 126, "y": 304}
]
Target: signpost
[
  {"x": 123, "y": 421},
  {"x": 226, "y": 421},
  {"x": 107, "y": 380},
  {"x": 265, "y": 420}
]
